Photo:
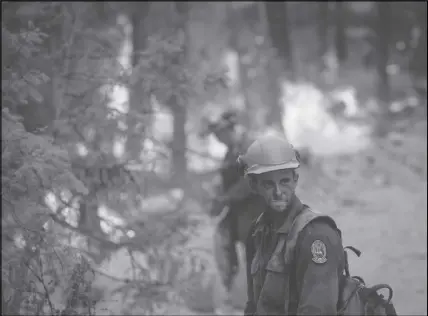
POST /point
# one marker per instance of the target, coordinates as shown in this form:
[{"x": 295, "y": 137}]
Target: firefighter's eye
[
  {"x": 285, "y": 181},
  {"x": 268, "y": 184}
]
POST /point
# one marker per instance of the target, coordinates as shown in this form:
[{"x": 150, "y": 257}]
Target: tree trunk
[
  {"x": 323, "y": 26},
  {"x": 279, "y": 30},
  {"x": 418, "y": 61},
  {"x": 139, "y": 102},
  {"x": 178, "y": 104},
  {"x": 4, "y": 310},
  {"x": 286, "y": 41},
  {"x": 90, "y": 223},
  {"x": 179, "y": 159},
  {"x": 340, "y": 38},
  {"x": 383, "y": 36},
  {"x": 275, "y": 69},
  {"x": 382, "y": 28},
  {"x": 243, "y": 84}
]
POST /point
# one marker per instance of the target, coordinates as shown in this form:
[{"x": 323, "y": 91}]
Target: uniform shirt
[{"x": 316, "y": 285}]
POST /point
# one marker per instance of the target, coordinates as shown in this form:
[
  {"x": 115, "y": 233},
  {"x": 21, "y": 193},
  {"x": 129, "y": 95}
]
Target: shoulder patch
[{"x": 319, "y": 251}]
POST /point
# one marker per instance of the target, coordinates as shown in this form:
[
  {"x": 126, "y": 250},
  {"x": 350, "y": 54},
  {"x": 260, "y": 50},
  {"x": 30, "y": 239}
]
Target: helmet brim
[{"x": 259, "y": 169}]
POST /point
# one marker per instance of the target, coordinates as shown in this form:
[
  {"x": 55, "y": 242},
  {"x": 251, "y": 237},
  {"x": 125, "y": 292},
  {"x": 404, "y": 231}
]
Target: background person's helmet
[
  {"x": 211, "y": 124},
  {"x": 268, "y": 153}
]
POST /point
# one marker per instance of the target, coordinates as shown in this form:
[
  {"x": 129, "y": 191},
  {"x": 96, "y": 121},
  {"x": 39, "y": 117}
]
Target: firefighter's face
[{"x": 277, "y": 187}]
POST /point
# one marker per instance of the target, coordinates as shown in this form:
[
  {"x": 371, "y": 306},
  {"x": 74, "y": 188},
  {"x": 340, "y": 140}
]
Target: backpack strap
[
  {"x": 249, "y": 254},
  {"x": 289, "y": 240},
  {"x": 354, "y": 250},
  {"x": 306, "y": 216}
]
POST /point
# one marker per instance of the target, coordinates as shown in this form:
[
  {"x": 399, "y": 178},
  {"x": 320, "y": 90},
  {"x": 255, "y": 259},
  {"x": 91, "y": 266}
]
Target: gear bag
[
  {"x": 355, "y": 297},
  {"x": 358, "y": 299}
]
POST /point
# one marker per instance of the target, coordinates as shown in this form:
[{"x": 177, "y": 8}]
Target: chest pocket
[
  {"x": 273, "y": 281},
  {"x": 275, "y": 286}
]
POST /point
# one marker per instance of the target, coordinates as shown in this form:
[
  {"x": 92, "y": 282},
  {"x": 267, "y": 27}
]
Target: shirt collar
[{"x": 294, "y": 209}]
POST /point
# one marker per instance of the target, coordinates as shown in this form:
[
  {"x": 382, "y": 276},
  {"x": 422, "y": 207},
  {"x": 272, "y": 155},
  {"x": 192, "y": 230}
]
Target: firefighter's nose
[{"x": 277, "y": 191}]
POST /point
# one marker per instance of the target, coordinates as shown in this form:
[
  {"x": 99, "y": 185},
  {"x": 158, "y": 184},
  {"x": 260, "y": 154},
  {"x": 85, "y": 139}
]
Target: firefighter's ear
[
  {"x": 298, "y": 156},
  {"x": 241, "y": 165},
  {"x": 296, "y": 175},
  {"x": 252, "y": 182}
]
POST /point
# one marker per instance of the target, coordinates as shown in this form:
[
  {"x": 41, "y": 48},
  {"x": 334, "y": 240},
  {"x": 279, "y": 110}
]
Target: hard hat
[
  {"x": 269, "y": 153},
  {"x": 212, "y": 124}
]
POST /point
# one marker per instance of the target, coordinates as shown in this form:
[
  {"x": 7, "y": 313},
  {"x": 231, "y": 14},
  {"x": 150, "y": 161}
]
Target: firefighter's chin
[{"x": 278, "y": 206}]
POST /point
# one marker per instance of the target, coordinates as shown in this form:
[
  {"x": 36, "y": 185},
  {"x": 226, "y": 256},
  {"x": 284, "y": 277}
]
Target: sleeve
[
  {"x": 319, "y": 261},
  {"x": 249, "y": 254}
]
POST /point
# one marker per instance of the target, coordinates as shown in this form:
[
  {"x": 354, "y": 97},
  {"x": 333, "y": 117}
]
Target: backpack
[{"x": 355, "y": 297}]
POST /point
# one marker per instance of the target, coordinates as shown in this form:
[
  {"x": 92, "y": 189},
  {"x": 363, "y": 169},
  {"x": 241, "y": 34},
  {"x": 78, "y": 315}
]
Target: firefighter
[
  {"x": 294, "y": 256},
  {"x": 235, "y": 201}
]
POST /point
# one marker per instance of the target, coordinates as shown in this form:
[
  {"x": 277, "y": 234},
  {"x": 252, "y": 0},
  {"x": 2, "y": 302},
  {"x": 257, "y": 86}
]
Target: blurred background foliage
[{"x": 105, "y": 183}]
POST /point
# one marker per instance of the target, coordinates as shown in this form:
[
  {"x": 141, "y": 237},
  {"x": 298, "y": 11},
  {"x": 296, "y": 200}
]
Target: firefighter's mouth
[{"x": 279, "y": 202}]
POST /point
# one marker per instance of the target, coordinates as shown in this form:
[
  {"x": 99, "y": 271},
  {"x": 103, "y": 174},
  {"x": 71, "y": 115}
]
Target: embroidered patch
[{"x": 319, "y": 252}]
